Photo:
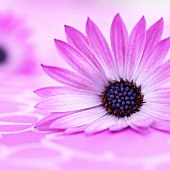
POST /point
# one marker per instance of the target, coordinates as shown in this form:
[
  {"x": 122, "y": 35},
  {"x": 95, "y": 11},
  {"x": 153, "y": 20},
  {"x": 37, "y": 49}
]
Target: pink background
[{"x": 21, "y": 146}]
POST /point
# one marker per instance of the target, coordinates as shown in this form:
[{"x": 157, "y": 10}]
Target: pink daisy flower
[
  {"x": 109, "y": 90},
  {"x": 16, "y": 50}
]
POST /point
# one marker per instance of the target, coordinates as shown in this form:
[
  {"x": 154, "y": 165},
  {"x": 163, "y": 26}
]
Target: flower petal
[
  {"x": 141, "y": 120},
  {"x": 78, "y": 40},
  {"x": 154, "y": 33},
  {"x": 74, "y": 130},
  {"x": 140, "y": 129},
  {"x": 79, "y": 119},
  {"x": 70, "y": 78},
  {"x": 101, "y": 124},
  {"x": 151, "y": 60},
  {"x": 44, "y": 123},
  {"x": 99, "y": 44},
  {"x": 119, "y": 125},
  {"x": 59, "y": 90},
  {"x": 69, "y": 102},
  {"x": 119, "y": 40},
  {"x": 161, "y": 125},
  {"x": 159, "y": 76},
  {"x": 79, "y": 62},
  {"x": 135, "y": 48},
  {"x": 158, "y": 96},
  {"x": 156, "y": 110}
]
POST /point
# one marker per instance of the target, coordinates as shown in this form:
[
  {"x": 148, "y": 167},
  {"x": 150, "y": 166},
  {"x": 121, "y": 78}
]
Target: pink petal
[
  {"x": 154, "y": 58},
  {"x": 101, "y": 124},
  {"x": 159, "y": 76},
  {"x": 135, "y": 48},
  {"x": 44, "y": 123},
  {"x": 119, "y": 40},
  {"x": 120, "y": 125},
  {"x": 79, "y": 62},
  {"x": 156, "y": 110},
  {"x": 99, "y": 44},
  {"x": 73, "y": 130},
  {"x": 140, "y": 129},
  {"x": 141, "y": 120},
  {"x": 161, "y": 125},
  {"x": 69, "y": 102},
  {"x": 154, "y": 33},
  {"x": 70, "y": 78},
  {"x": 79, "y": 119},
  {"x": 158, "y": 96},
  {"x": 59, "y": 90},
  {"x": 77, "y": 39}
]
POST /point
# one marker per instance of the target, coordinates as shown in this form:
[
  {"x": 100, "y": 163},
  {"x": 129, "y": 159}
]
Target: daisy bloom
[
  {"x": 16, "y": 51},
  {"x": 109, "y": 89}
]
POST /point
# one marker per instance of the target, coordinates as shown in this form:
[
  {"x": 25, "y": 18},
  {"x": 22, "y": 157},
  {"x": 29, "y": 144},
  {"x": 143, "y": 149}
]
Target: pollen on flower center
[
  {"x": 3, "y": 56},
  {"x": 122, "y": 98}
]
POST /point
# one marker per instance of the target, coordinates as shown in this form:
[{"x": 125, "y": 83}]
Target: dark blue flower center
[
  {"x": 122, "y": 98},
  {"x": 3, "y": 56}
]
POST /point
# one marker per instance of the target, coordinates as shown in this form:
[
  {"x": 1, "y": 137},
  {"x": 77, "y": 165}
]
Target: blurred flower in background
[{"x": 16, "y": 51}]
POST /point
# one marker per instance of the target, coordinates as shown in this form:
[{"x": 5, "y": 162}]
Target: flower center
[
  {"x": 122, "y": 98},
  {"x": 3, "y": 56}
]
